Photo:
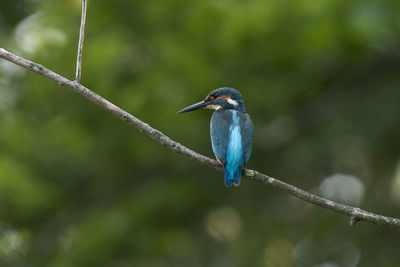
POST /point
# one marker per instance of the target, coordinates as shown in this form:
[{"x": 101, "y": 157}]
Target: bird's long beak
[{"x": 199, "y": 105}]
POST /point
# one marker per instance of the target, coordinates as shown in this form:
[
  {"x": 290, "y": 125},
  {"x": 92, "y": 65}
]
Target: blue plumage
[
  {"x": 231, "y": 139},
  {"x": 231, "y": 131},
  {"x": 234, "y": 153}
]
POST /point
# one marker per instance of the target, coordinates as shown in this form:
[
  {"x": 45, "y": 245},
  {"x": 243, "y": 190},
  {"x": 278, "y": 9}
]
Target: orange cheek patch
[{"x": 224, "y": 97}]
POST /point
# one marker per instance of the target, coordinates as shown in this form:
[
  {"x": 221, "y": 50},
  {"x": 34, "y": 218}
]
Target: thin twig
[
  {"x": 354, "y": 213},
  {"x": 80, "y": 44}
]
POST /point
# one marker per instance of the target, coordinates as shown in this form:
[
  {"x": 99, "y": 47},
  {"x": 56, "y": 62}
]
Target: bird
[{"x": 231, "y": 131}]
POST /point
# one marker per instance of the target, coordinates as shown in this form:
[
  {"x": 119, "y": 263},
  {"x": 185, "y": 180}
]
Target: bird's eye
[{"x": 210, "y": 97}]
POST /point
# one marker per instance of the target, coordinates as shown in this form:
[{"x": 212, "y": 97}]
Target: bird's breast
[
  {"x": 235, "y": 149},
  {"x": 226, "y": 135}
]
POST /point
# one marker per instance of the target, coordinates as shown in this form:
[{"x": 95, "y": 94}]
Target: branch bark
[
  {"x": 80, "y": 44},
  {"x": 355, "y": 214}
]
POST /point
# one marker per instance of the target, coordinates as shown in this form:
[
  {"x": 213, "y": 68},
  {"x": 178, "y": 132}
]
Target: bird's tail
[{"x": 232, "y": 175}]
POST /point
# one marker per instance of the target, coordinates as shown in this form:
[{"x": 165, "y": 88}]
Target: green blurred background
[{"x": 78, "y": 187}]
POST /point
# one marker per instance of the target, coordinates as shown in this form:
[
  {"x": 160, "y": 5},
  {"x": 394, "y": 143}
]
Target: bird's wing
[
  {"x": 219, "y": 128},
  {"x": 247, "y": 132}
]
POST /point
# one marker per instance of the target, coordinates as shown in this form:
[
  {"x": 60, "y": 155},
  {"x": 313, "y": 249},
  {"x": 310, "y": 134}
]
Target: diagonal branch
[
  {"x": 80, "y": 44},
  {"x": 354, "y": 213}
]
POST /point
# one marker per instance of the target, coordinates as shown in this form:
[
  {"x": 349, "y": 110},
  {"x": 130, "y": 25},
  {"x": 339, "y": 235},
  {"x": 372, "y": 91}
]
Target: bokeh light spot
[
  {"x": 279, "y": 253},
  {"x": 223, "y": 224},
  {"x": 343, "y": 188},
  {"x": 31, "y": 34}
]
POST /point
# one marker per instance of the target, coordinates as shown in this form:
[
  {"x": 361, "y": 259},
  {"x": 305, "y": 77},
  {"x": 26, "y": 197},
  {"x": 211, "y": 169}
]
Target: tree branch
[
  {"x": 355, "y": 214},
  {"x": 80, "y": 44}
]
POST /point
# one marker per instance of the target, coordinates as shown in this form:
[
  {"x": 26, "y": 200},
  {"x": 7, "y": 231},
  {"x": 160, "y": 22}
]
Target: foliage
[{"x": 80, "y": 188}]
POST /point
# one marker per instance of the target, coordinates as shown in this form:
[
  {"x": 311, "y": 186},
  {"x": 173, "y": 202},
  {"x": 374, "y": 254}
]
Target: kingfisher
[{"x": 231, "y": 131}]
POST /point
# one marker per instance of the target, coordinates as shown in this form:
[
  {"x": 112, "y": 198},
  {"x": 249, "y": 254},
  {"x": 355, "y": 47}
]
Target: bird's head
[{"x": 220, "y": 99}]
